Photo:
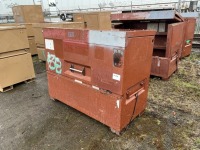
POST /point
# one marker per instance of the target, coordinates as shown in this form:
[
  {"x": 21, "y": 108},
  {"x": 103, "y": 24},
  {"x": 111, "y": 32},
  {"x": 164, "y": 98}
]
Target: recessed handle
[{"x": 72, "y": 69}]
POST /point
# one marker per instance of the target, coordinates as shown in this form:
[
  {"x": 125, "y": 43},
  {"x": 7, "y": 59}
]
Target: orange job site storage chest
[{"x": 94, "y": 72}]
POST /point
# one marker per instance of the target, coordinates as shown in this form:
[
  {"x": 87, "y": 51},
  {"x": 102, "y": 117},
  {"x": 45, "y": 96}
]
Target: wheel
[{"x": 62, "y": 16}]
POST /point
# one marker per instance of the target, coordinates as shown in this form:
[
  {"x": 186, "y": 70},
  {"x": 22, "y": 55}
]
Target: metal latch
[
  {"x": 135, "y": 105},
  {"x": 117, "y": 57}
]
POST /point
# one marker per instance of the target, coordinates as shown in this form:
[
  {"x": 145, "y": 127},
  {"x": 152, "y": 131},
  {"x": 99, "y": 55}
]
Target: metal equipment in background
[
  {"x": 169, "y": 26},
  {"x": 55, "y": 10},
  {"x": 196, "y": 41}
]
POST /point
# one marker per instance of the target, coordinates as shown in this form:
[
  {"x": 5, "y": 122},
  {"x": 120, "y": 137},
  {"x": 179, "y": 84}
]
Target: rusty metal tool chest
[{"x": 93, "y": 71}]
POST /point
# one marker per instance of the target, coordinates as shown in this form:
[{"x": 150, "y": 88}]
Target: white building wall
[{"x": 5, "y": 5}]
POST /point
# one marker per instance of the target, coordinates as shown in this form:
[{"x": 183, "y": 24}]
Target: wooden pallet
[
  {"x": 8, "y": 88},
  {"x": 29, "y": 80}
]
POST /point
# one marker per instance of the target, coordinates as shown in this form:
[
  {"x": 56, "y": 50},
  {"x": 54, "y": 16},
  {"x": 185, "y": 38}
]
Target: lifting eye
[{"x": 117, "y": 58}]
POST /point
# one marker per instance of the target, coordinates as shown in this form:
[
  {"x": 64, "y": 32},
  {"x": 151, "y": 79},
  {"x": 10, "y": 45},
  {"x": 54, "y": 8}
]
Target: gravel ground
[{"x": 29, "y": 120}]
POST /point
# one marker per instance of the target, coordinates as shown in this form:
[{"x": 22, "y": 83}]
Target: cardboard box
[
  {"x": 37, "y": 28},
  {"x": 28, "y": 13},
  {"x": 94, "y": 20},
  {"x": 41, "y": 54},
  {"x": 13, "y": 38},
  {"x": 78, "y": 17},
  {"x": 32, "y": 46},
  {"x": 17, "y": 67},
  {"x": 29, "y": 29},
  {"x": 28, "y": 26}
]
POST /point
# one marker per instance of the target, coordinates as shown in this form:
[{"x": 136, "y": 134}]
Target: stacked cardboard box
[
  {"x": 38, "y": 33},
  {"x": 30, "y": 35},
  {"x": 41, "y": 54},
  {"x": 27, "y": 15},
  {"x": 94, "y": 20},
  {"x": 28, "y": 26},
  {"x": 15, "y": 63}
]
